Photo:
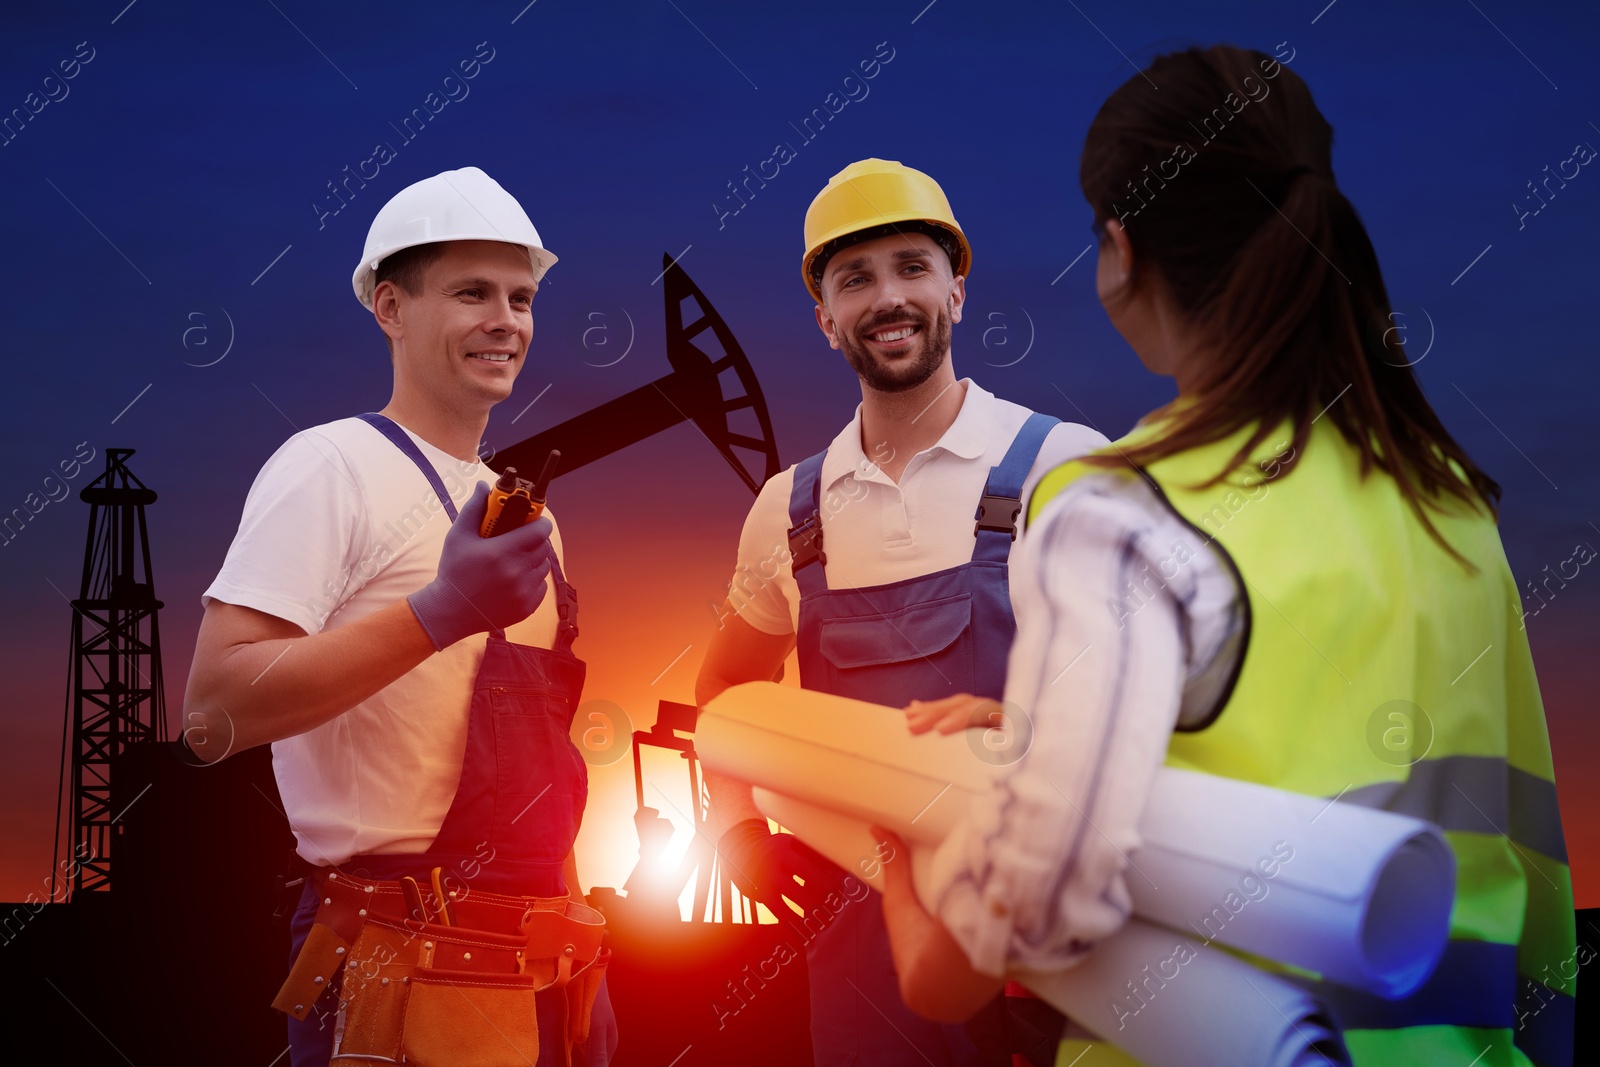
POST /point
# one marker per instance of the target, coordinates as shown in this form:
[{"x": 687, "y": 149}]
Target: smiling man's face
[
  {"x": 889, "y": 305},
  {"x": 463, "y": 336}
]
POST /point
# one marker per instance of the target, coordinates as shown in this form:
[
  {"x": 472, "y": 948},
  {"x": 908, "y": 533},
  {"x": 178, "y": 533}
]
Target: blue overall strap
[
  {"x": 566, "y": 609},
  {"x": 1001, "y": 505},
  {"x": 805, "y": 527},
  {"x": 402, "y": 440},
  {"x": 566, "y": 596}
]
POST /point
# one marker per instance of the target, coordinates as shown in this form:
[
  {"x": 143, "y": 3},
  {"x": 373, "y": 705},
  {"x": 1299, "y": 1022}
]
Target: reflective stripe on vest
[
  {"x": 1380, "y": 671},
  {"x": 1479, "y": 794}
]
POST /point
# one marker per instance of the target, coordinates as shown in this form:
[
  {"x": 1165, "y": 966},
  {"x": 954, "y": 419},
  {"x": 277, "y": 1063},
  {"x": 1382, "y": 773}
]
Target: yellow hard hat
[{"x": 876, "y": 194}]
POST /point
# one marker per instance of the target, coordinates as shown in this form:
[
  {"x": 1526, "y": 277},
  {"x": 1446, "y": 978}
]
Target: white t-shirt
[
  {"x": 876, "y": 531},
  {"x": 339, "y": 524}
]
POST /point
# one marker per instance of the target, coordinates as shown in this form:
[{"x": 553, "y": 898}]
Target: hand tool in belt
[{"x": 404, "y": 979}]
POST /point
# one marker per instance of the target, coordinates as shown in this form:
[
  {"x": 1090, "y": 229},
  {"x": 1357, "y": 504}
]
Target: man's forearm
[
  {"x": 247, "y": 694},
  {"x": 739, "y": 653},
  {"x": 731, "y": 802},
  {"x": 731, "y": 799}
]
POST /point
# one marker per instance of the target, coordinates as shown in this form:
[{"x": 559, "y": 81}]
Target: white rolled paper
[
  {"x": 1358, "y": 895},
  {"x": 1355, "y": 894},
  {"x": 1168, "y": 1000},
  {"x": 1165, "y": 999}
]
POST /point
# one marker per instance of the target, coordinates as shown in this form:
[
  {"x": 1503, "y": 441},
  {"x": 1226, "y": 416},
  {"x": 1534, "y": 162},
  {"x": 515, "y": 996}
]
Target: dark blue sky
[{"x": 164, "y": 203}]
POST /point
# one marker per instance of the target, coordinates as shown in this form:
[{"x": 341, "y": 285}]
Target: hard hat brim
[
  {"x": 455, "y": 205},
  {"x": 961, "y": 267},
  {"x": 364, "y": 280},
  {"x": 869, "y": 195}
]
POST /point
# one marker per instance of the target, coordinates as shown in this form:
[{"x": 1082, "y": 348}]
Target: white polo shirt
[
  {"x": 338, "y": 525},
  {"x": 876, "y": 531}
]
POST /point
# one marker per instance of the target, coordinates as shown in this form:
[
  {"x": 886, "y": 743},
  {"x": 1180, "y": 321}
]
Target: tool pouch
[
  {"x": 460, "y": 995},
  {"x": 432, "y": 995}
]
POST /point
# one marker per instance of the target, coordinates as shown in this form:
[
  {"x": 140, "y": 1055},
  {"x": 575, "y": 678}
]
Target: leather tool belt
[{"x": 430, "y": 993}]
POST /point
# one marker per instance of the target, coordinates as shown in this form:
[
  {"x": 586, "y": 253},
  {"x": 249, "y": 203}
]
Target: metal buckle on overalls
[
  {"x": 1001, "y": 511},
  {"x": 567, "y": 610},
  {"x": 805, "y": 544}
]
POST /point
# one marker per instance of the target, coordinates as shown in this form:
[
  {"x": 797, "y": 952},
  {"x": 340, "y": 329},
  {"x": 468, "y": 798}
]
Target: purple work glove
[
  {"x": 484, "y": 582},
  {"x": 768, "y": 867}
]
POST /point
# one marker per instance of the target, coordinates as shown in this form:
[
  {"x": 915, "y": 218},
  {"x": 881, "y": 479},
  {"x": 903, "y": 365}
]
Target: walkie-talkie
[{"x": 514, "y": 501}]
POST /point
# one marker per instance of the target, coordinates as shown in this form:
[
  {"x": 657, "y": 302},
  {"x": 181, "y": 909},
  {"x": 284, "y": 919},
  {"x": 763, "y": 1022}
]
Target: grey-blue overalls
[
  {"x": 518, "y": 751},
  {"x": 917, "y": 639}
]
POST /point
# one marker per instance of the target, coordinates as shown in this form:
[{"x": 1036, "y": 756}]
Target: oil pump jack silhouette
[
  {"x": 693, "y": 392},
  {"x": 669, "y": 976}
]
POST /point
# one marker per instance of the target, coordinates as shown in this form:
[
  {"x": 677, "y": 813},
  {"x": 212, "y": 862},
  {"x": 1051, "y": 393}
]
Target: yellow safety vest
[{"x": 1380, "y": 671}]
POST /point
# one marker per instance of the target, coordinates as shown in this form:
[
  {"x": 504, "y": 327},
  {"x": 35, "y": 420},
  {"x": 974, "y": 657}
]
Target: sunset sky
[{"x": 177, "y": 274}]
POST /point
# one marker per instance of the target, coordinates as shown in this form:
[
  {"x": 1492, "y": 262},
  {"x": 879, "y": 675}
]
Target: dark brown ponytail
[{"x": 1223, "y": 180}]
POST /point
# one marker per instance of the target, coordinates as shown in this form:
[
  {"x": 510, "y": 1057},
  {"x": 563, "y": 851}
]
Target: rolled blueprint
[
  {"x": 1357, "y": 895},
  {"x": 1165, "y": 999}
]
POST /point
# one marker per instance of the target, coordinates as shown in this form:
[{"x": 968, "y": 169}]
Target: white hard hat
[{"x": 457, "y": 205}]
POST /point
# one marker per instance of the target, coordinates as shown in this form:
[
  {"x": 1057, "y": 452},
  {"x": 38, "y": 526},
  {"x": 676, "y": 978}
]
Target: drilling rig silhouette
[
  {"x": 184, "y": 961},
  {"x": 117, "y": 701}
]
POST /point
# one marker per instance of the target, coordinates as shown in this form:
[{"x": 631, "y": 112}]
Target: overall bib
[
  {"x": 921, "y": 638},
  {"x": 516, "y": 809}
]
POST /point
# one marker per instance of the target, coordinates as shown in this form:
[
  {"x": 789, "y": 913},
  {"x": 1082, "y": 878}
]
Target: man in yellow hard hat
[
  {"x": 362, "y": 626},
  {"x": 883, "y": 559}
]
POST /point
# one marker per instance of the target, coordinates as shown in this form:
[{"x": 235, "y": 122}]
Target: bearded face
[
  {"x": 898, "y": 350},
  {"x": 889, "y": 306}
]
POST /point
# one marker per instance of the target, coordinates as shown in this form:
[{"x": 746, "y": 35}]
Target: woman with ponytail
[{"x": 1289, "y": 575}]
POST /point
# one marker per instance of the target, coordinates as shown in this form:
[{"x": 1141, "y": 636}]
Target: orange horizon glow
[{"x": 647, "y": 617}]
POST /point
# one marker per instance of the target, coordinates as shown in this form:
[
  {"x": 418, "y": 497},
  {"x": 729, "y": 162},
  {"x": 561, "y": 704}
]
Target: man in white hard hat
[
  {"x": 415, "y": 679},
  {"x": 884, "y": 560}
]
